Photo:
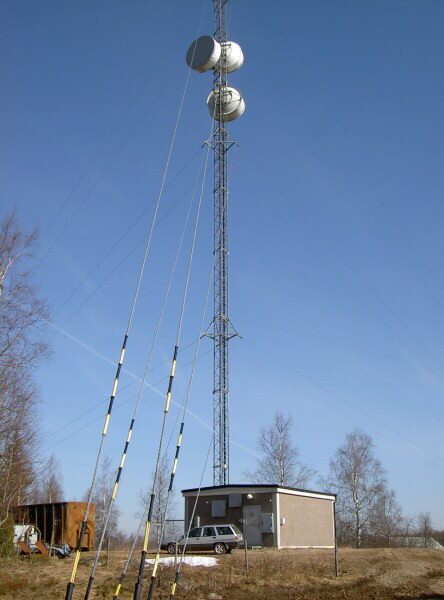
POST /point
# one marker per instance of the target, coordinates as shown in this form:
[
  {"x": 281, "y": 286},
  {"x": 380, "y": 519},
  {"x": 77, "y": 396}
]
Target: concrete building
[{"x": 269, "y": 515}]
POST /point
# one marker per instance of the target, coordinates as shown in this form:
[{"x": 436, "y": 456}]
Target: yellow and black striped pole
[
  {"x": 178, "y": 447},
  {"x": 71, "y": 583},
  {"x": 180, "y": 436},
  {"x": 170, "y": 489},
  {"x": 72, "y": 580},
  {"x": 110, "y": 507},
  {"x": 190, "y": 524},
  {"x": 138, "y": 585},
  {"x": 179, "y": 442},
  {"x": 136, "y": 408},
  {"x": 122, "y": 575},
  {"x": 146, "y": 537},
  {"x": 128, "y": 560}
]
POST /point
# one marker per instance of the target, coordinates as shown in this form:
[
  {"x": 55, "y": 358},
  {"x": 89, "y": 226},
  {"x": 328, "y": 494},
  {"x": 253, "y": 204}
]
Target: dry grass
[{"x": 381, "y": 574}]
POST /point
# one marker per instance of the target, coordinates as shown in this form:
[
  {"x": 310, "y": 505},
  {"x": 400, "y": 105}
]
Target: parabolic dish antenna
[
  {"x": 203, "y": 54},
  {"x": 234, "y": 57},
  {"x": 233, "y": 104}
]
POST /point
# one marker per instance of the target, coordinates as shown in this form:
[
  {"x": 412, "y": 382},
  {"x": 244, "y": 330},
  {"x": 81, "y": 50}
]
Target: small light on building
[{"x": 249, "y": 496}]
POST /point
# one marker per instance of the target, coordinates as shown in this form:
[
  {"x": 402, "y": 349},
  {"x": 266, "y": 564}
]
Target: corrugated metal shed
[{"x": 59, "y": 522}]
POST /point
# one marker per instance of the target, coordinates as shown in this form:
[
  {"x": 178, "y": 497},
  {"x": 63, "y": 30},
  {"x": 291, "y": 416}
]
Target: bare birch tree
[
  {"x": 14, "y": 246},
  {"x": 23, "y": 318},
  {"x": 161, "y": 493},
  {"x": 386, "y": 522},
  {"x": 101, "y": 497},
  {"x": 280, "y": 462},
  {"x": 425, "y": 528},
  {"x": 360, "y": 482},
  {"x": 48, "y": 485}
]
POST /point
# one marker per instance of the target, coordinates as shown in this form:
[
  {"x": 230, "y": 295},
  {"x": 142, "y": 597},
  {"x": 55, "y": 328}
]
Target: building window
[
  {"x": 235, "y": 500},
  {"x": 218, "y": 508}
]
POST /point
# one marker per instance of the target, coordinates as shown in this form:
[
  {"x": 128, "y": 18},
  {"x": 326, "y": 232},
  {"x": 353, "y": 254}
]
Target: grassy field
[{"x": 288, "y": 574}]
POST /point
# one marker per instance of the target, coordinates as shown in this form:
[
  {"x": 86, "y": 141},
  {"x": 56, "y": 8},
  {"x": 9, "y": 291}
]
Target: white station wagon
[{"x": 220, "y": 538}]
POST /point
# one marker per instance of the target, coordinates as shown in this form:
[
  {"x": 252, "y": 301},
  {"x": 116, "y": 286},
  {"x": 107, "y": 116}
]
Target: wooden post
[
  {"x": 244, "y": 527},
  {"x": 52, "y": 543},
  {"x": 336, "y": 540},
  {"x": 62, "y": 531},
  {"x": 45, "y": 534}
]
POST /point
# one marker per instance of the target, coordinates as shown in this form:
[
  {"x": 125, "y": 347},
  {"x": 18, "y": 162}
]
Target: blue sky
[{"x": 336, "y": 245}]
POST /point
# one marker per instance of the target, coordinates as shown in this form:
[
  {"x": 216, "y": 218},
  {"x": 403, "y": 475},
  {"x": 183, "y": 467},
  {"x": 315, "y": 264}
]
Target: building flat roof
[
  {"x": 237, "y": 487},
  {"x": 52, "y": 503}
]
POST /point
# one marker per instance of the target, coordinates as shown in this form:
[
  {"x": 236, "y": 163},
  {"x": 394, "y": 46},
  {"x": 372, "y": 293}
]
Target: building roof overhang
[{"x": 263, "y": 488}]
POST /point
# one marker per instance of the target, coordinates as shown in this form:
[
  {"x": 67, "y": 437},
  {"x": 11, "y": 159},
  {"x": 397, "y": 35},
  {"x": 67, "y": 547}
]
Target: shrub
[{"x": 7, "y": 538}]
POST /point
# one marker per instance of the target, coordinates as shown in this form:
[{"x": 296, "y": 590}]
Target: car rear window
[
  {"x": 237, "y": 530},
  {"x": 224, "y": 531}
]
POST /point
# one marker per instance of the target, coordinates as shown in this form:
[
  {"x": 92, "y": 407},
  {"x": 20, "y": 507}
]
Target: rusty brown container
[{"x": 60, "y": 522}]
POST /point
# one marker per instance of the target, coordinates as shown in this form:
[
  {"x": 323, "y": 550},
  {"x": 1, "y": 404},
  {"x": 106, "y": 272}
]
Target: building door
[{"x": 252, "y": 522}]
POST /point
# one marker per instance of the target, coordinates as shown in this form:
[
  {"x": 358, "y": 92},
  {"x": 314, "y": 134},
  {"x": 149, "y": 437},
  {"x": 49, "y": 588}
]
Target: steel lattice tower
[
  {"x": 226, "y": 104},
  {"x": 223, "y": 330}
]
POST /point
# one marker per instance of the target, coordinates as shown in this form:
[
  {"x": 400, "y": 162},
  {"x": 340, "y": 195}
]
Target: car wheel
[
  {"x": 220, "y": 548},
  {"x": 171, "y": 548}
]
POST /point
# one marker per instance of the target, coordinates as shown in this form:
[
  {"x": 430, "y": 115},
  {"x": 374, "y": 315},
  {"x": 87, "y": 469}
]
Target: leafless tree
[
  {"x": 161, "y": 493},
  {"x": 280, "y": 457},
  {"x": 408, "y": 532},
  {"x": 23, "y": 319},
  {"x": 101, "y": 497},
  {"x": 360, "y": 482},
  {"x": 23, "y": 314},
  {"x": 48, "y": 485},
  {"x": 14, "y": 245},
  {"x": 425, "y": 528},
  {"x": 438, "y": 535},
  {"x": 386, "y": 522}
]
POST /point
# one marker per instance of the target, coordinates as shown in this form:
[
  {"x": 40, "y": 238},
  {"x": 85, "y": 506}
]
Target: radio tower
[{"x": 225, "y": 104}]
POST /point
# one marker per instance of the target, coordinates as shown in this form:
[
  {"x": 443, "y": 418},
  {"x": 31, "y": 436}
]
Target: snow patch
[{"x": 192, "y": 561}]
